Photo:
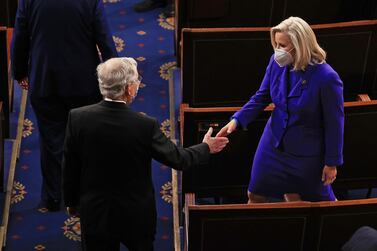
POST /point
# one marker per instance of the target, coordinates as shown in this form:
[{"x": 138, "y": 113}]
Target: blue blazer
[
  {"x": 55, "y": 45},
  {"x": 309, "y": 120}
]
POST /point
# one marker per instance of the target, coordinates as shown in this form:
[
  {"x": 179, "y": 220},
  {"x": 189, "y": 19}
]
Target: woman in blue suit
[{"x": 302, "y": 142}]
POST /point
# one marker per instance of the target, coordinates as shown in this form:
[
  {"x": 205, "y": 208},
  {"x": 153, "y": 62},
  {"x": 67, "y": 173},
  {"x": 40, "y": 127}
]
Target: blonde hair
[
  {"x": 114, "y": 75},
  {"x": 303, "y": 39}
]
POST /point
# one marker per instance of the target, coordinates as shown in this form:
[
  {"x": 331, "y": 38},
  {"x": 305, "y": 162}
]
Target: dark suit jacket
[
  {"x": 107, "y": 167},
  {"x": 54, "y": 44}
]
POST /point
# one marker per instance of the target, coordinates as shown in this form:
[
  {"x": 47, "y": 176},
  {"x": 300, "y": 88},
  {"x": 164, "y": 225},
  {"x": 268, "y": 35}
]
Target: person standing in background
[{"x": 55, "y": 52}]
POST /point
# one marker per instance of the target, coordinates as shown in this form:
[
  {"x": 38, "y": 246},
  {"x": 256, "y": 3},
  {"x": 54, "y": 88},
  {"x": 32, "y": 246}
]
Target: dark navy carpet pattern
[{"x": 148, "y": 37}]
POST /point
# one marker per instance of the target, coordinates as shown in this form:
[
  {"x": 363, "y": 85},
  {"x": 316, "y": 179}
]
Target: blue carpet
[
  {"x": 8, "y": 146},
  {"x": 149, "y": 38}
]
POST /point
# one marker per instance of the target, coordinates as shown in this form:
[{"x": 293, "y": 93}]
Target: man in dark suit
[
  {"x": 107, "y": 163},
  {"x": 54, "y": 49}
]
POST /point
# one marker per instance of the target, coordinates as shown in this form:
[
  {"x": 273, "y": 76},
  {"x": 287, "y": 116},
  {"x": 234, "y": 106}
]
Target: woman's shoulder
[
  {"x": 327, "y": 76},
  {"x": 323, "y": 67},
  {"x": 326, "y": 70}
]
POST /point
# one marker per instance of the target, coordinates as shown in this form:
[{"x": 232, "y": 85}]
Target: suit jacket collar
[
  {"x": 283, "y": 78},
  {"x": 283, "y": 81},
  {"x": 115, "y": 105}
]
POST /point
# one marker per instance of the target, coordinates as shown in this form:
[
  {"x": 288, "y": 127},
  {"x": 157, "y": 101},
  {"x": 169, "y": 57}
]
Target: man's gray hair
[{"x": 114, "y": 75}]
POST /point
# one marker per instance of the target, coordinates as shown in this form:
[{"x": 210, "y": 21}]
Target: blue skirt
[{"x": 276, "y": 172}]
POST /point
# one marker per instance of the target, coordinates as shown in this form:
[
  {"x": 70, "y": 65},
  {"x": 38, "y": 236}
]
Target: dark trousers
[
  {"x": 99, "y": 243},
  {"x": 52, "y": 115}
]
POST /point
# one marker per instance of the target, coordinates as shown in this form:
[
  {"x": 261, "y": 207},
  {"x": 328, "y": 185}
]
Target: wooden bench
[
  {"x": 335, "y": 222},
  {"x": 224, "y": 67},
  {"x": 360, "y": 144},
  {"x": 228, "y": 172},
  {"x": 268, "y": 13},
  {"x": 294, "y": 226}
]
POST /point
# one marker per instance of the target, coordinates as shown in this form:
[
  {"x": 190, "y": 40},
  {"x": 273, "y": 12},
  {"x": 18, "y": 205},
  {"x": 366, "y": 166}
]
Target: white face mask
[{"x": 282, "y": 57}]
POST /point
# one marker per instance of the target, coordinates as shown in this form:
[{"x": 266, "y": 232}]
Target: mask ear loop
[
  {"x": 279, "y": 48},
  {"x": 290, "y": 54},
  {"x": 291, "y": 49}
]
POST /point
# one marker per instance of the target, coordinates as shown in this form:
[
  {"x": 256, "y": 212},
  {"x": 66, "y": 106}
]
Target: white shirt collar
[{"x": 117, "y": 101}]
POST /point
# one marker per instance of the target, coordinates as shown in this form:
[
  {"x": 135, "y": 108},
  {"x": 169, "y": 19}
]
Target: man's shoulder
[
  {"x": 85, "y": 108},
  {"x": 143, "y": 117},
  {"x": 98, "y": 110}
]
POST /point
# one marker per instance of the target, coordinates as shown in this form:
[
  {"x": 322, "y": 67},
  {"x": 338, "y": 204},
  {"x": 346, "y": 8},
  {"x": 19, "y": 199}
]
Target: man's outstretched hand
[{"x": 215, "y": 144}]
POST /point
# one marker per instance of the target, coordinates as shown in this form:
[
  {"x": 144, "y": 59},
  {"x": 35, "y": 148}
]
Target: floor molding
[{"x": 15, "y": 154}]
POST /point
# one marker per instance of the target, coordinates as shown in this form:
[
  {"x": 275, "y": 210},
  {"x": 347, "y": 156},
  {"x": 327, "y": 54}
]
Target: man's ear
[{"x": 129, "y": 90}]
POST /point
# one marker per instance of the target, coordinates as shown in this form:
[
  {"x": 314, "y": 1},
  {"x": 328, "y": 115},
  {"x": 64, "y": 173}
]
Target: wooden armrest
[
  {"x": 290, "y": 197},
  {"x": 189, "y": 199},
  {"x": 255, "y": 198},
  {"x": 363, "y": 97}
]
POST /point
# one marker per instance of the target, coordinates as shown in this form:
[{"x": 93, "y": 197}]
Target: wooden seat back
[
  {"x": 290, "y": 226},
  {"x": 224, "y": 67}
]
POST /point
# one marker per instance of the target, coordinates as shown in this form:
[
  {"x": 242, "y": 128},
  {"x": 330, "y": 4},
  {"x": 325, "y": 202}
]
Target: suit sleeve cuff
[
  {"x": 206, "y": 154},
  {"x": 334, "y": 160},
  {"x": 240, "y": 125}
]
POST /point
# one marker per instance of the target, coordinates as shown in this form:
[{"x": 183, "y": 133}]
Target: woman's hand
[
  {"x": 329, "y": 174},
  {"x": 227, "y": 129}
]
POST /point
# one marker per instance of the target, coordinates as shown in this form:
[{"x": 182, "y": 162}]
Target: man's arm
[
  {"x": 333, "y": 118},
  {"x": 104, "y": 38},
  {"x": 166, "y": 152}
]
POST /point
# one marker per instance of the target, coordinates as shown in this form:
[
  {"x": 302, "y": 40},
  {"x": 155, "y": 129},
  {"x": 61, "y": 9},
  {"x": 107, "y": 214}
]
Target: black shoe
[
  {"x": 52, "y": 205},
  {"x": 168, "y": 11},
  {"x": 147, "y": 5}
]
